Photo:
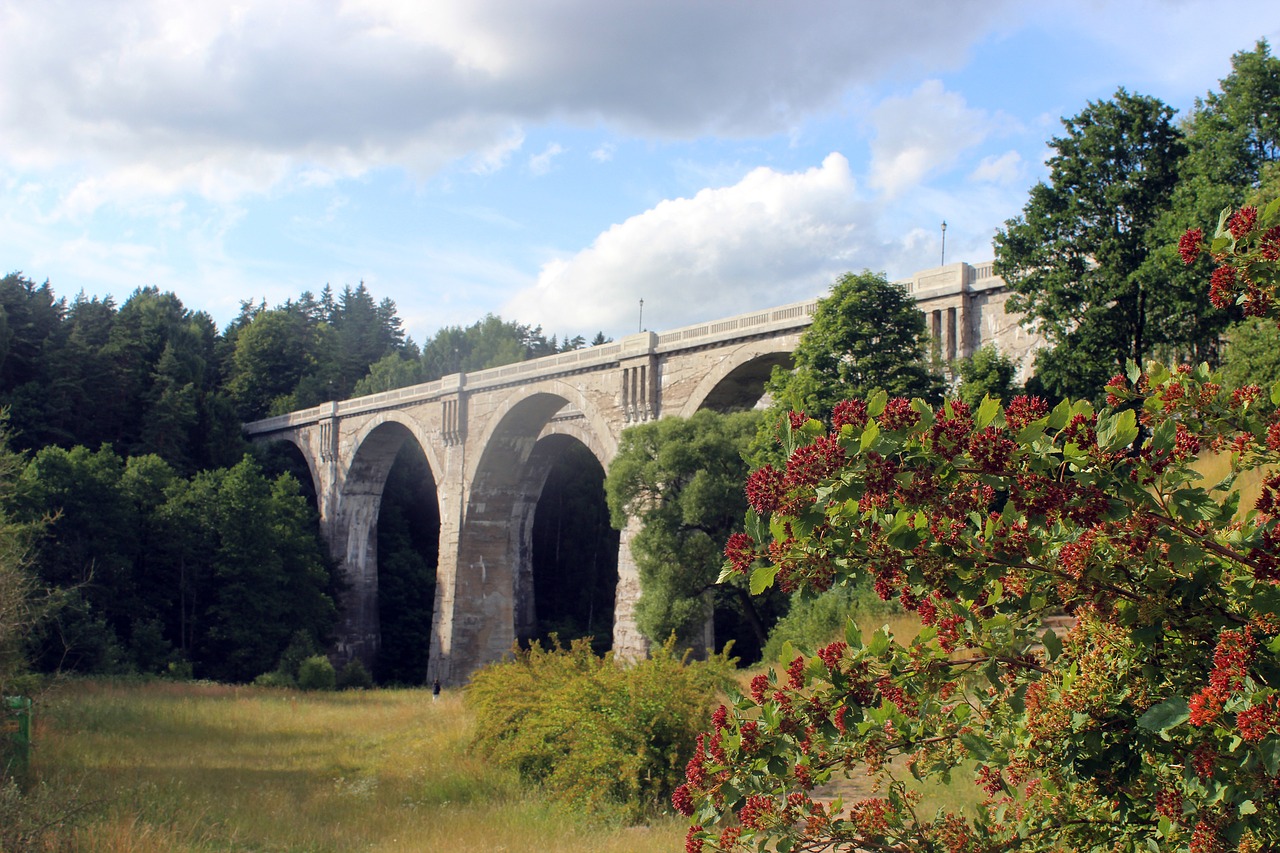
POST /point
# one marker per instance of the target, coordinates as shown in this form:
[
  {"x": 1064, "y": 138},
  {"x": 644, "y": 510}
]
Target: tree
[
  {"x": 1075, "y": 257},
  {"x": 867, "y": 333},
  {"x": 680, "y": 479},
  {"x": 1152, "y": 721},
  {"x": 986, "y": 372},
  {"x": 20, "y": 609},
  {"x": 1252, "y": 356}
]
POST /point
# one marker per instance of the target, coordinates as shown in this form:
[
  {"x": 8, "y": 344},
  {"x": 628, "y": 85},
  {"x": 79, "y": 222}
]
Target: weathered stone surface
[{"x": 491, "y": 437}]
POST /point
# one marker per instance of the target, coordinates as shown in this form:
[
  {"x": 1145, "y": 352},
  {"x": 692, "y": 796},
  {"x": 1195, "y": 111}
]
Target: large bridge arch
[
  {"x": 354, "y": 529},
  {"x": 736, "y": 381}
]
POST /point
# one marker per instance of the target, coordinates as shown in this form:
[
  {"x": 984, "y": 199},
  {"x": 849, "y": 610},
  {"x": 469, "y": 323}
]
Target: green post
[{"x": 15, "y": 736}]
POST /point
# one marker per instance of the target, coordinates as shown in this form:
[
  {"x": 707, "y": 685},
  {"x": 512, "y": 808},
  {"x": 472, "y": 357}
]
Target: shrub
[
  {"x": 604, "y": 739},
  {"x": 814, "y": 621},
  {"x": 1151, "y": 722},
  {"x": 354, "y": 676},
  {"x": 275, "y": 678},
  {"x": 316, "y": 673}
]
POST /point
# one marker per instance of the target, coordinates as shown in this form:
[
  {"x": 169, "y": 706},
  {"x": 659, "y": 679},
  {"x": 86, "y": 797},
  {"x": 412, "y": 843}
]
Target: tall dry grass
[{"x": 184, "y": 767}]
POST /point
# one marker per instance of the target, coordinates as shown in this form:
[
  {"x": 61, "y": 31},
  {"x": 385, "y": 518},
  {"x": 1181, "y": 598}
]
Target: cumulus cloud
[
  {"x": 1007, "y": 169},
  {"x": 771, "y": 238},
  {"x": 920, "y": 134},
  {"x": 540, "y": 164},
  {"x": 261, "y": 87}
]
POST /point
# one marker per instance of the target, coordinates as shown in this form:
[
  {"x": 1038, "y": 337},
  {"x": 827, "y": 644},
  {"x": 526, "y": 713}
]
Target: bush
[
  {"x": 276, "y": 678},
  {"x": 354, "y": 676},
  {"x": 814, "y": 621},
  {"x": 316, "y": 673},
  {"x": 603, "y": 739}
]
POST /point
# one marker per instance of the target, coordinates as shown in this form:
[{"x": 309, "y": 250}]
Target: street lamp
[
  {"x": 641, "y": 325},
  {"x": 944, "y": 243}
]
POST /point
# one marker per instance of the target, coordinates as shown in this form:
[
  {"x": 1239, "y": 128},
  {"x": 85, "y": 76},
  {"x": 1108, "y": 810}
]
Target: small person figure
[{"x": 435, "y": 690}]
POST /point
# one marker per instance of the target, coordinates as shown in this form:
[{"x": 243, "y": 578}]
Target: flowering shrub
[
  {"x": 599, "y": 738},
  {"x": 1149, "y": 718}
]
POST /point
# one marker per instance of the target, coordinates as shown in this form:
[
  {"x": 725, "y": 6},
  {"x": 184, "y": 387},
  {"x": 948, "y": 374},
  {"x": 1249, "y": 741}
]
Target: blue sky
[{"x": 551, "y": 161}]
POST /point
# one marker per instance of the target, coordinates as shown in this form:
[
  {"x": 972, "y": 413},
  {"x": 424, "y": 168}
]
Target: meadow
[{"x": 163, "y": 766}]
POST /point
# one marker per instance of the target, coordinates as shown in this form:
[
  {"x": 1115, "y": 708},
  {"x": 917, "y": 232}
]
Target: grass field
[{"x": 187, "y": 767}]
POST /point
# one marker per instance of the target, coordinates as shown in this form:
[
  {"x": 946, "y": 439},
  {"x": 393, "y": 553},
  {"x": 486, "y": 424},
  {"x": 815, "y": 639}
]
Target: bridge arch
[
  {"x": 737, "y": 380},
  {"x": 354, "y": 528},
  {"x": 493, "y": 579}
]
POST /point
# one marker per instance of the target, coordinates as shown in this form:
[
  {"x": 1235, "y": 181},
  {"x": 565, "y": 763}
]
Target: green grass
[{"x": 189, "y": 767}]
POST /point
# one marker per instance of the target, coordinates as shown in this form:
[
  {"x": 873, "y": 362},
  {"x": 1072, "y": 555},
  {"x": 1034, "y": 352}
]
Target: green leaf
[
  {"x": 852, "y": 634},
  {"x": 876, "y": 402},
  {"x": 1060, "y": 416},
  {"x": 1247, "y": 807},
  {"x": 1052, "y": 645},
  {"x": 1169, "y": 713},
  {"x": 1270, "y": 752},
  {"x": 755, "y": 528},
  {"x": 1117, "y": 431},
  {"x": 986, "y": 412},
  {"x": 880, "y": 642},
  {"x": 762, "y": 578},
  {"x": 977, "y": 746},
  {"x": 869, "y": 434}
]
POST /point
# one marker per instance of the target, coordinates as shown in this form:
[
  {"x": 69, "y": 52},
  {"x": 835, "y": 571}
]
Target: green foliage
[
  {"x": 1149, "y": 718},
  {"x": 866, "y": 334},
  {"x": 1252, "y": 356},
  {"x": 1075, "y": 257},
  {"x": 986, "y": 372},
  {"x": 680, "y": 481},
  {"x": 317, "y": 673},
  {"x": 354, "y": 676},
  {"x": 604, "y": 739},
  {"x": 815, "y": 620}
]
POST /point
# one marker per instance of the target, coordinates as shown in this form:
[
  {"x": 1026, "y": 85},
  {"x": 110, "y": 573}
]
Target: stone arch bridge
[{"x": 491, "y": 437}]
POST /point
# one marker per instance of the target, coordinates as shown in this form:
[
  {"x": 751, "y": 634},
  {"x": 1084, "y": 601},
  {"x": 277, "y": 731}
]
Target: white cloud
[
  {"x": 920, "y": 134},
  {"x": 1006, "y": 169},
  {"x": 604, "y": 153},
  {"x": 771, "y": 238},
  {"x": 210, "y": 95},
  {"x": 540, "y": 164}
]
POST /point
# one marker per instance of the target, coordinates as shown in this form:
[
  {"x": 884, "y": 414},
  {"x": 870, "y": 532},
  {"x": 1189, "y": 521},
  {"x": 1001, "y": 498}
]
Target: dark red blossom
[
  {"x": 1189, "y": 245},
  {"x": 720, "y": 718},
  {"x": 1023, "y": 410},
  {"x": 1231, "y": 659},
  {"x": 764, "y": 489},
  {"x": 852, "y": 412},
  {"x": 740, "y": 550},
  {"x": 898, "y": 414},
  {"x": 1222, "y": 287},
  {"x": 991, "y": 450},
  {"x": 1270, "y": 245},
  {"x": 950, "y": 430},
  {"x": 1242, "y": 221},
  {"x": 814, "y": 462},
  {"x": 795, "y": 673},
  {"x": 693, "y": 839},
  {"x": 759, "y": 685},
  {"x": 682, "y": 800}
]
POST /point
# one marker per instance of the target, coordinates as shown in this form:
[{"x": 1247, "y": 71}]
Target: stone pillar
[
  {"x": 357, "y": 536},
  {"x": 628, "y": 643}
]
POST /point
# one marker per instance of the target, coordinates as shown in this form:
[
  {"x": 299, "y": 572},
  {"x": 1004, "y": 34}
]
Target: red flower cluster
[
  {"x": 740, "y": 551},
  {"x": 814, "y": 462},
  {"x": 950, "y": 429},
  {"x": 852, "y": 412},
  {"x": 898, "y": 414},
  {"x": 1242, "y": 221},
  {"x": 1189, "y": 245},
  {"x": 764, "y": 489},
  {"x": 1258, "y": 721},
  {"x": 1023, "y": 410},
  {"x": 1222, "y": 286}
]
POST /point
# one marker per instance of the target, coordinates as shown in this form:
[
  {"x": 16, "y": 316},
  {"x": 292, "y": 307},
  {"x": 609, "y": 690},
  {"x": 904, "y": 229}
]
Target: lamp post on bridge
[{"x": 944, "y": 243}]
